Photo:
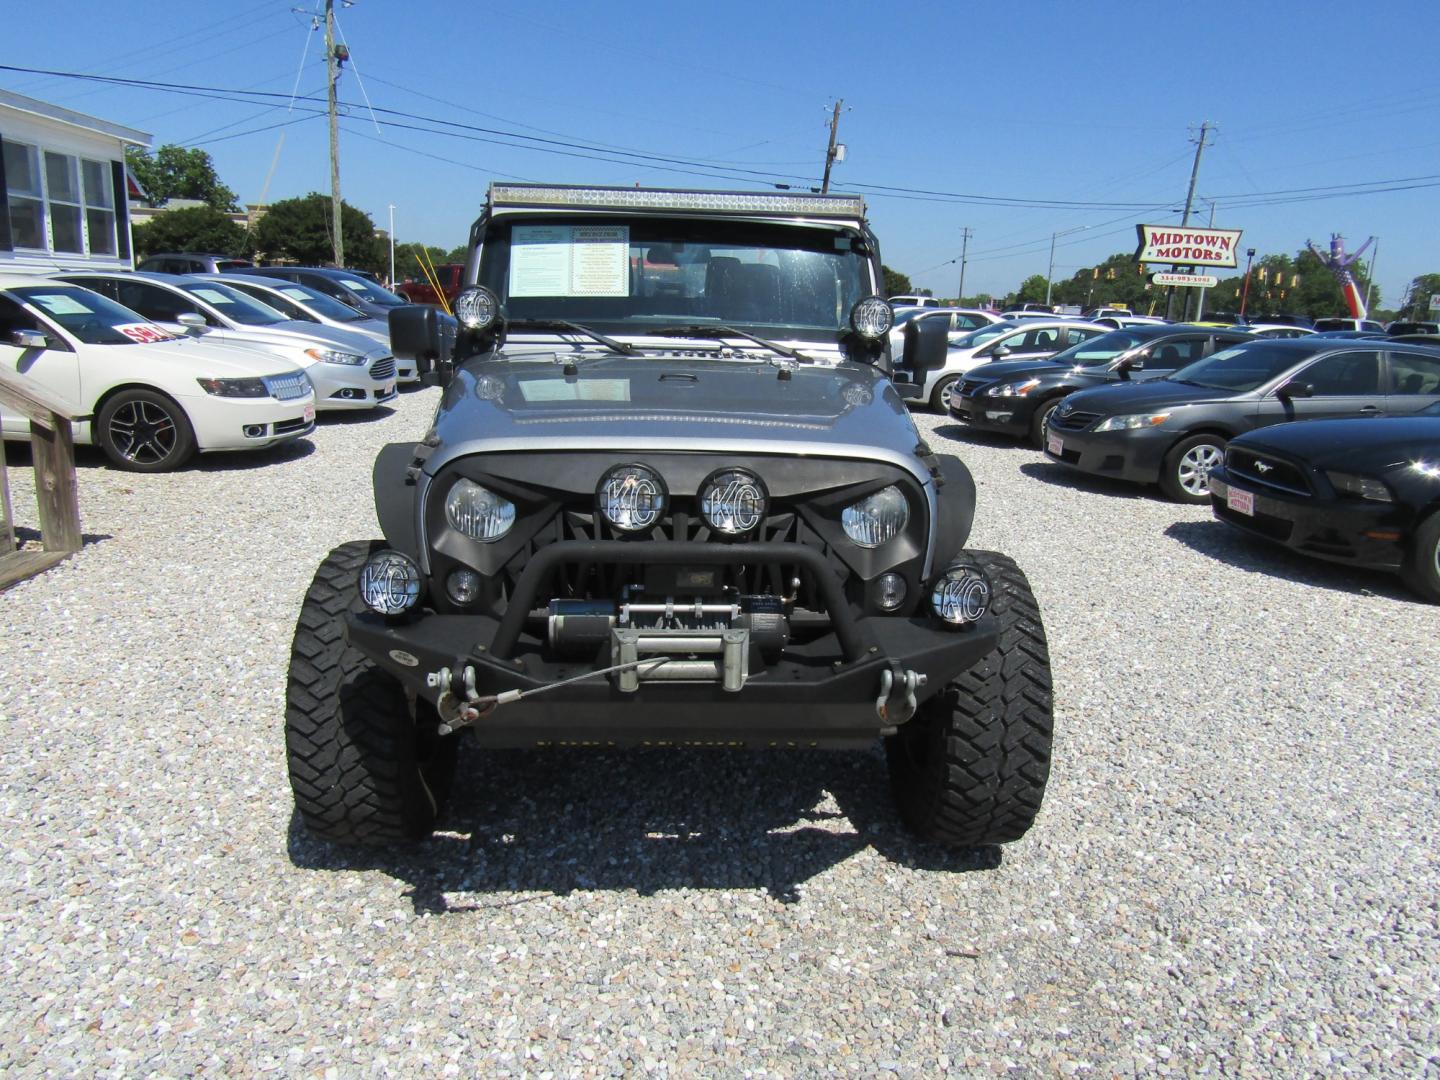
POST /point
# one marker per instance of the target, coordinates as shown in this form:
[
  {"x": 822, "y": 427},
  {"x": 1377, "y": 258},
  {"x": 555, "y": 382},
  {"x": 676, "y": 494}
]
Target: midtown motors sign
[{"x": 1187, "y": 247}]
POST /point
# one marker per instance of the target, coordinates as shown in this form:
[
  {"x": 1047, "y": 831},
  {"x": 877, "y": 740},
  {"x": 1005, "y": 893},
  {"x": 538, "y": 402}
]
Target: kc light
[
  {"x": 1363, "y": 487},
  {"x": 1132, "y": 421},
  {"x": 961, "y": 595},
  {"x": 335, "y": 356},
  {"x": 1012, "y": 389},
  {"x": 733, "y": 502},
  {"x": 877, "y": 518},
  {"x": 872, "y": 317},
  {"x": 631, "y": 497},
  {"x": 390, "y": 583},
  {"x": 478, "y": 512},
  {"x": 477, "y": 307}
]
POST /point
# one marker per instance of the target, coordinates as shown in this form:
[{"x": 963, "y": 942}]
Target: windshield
[
  {"x": 1097, "y": 351},
  {"x": 623, "y": 276},
  {"x": 902, "y": 317},
  {"x": 325, "y": 306},
  {"x": 233, "y": 304},
  {"x": 368, "y": 290},
  {"x": 976, "y": 338},
  {"x": 90, "y": 317},
  {"x": 1241, "y": 367}
]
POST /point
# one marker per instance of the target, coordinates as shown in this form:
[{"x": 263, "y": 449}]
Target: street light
[
  {"x": 1245, "y": 292},
  {"x": 1050, "y": 272}
]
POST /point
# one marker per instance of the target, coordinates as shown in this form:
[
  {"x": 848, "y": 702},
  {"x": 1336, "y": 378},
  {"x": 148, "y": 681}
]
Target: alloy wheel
[
  {"x": 143, "y": 432},
  {"x": 1195, "y": 467}
]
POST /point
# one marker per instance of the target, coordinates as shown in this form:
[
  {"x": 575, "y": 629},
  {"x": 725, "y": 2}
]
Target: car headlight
[
  {"x": 476, "y": 307},
  {"x": 478, "y": 512},
  {"x": 876, "y": 519},
  {"x": 390, "y": 583},
  {"x": 733, "y": 502},
  {"x": 960, "y": 595},
  {"x": 335, "y": 356},
  {"x": 1132, "y": 421},
  {"x": 1012, "y": 389},
  {"x": 631, "y": 497},
  {"x": 246, "y": 388},
  {"x": 872, "y": 317},
  {"x": 1361, "y": 487}
]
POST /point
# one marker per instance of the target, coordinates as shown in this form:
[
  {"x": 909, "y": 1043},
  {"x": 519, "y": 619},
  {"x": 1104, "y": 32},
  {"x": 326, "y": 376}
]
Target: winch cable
[{"x": 480, "y": 707}]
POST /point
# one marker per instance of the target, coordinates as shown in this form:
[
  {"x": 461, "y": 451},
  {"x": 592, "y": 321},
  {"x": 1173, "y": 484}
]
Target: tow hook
[{"x": 901, "y": 684}]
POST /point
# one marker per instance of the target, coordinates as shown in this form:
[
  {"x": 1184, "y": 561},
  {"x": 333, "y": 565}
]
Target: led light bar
[{"x": 728, "y": 202}]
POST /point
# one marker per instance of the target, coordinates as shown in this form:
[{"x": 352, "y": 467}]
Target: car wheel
[
  {"x": 1040, "y": 425},
  {"x": 364, "y": 766},
  {"x": 970, "y": 768},
  {"x": 1185, "y": 476},
  {"x": 144, "y": 431},
  {"x": 1422, "y": 563},
  {"x": 940, "y": 396}
]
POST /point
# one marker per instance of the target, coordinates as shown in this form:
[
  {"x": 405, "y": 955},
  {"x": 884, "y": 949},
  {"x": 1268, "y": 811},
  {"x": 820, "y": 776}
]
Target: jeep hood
[{"x": 655, "y": 402}]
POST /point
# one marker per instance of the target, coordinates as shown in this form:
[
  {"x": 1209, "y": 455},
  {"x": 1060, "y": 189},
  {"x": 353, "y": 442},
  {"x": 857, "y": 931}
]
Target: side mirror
[
  {"x": 1000, "y": 352},
  {"x": 927, "y": 345},
  {"x": 193, "y": 324},
  {"x": 1125, "y": 366},
  {"x": 29, "y": 339},
  {"x": 1295, "y": 389},
  {"x": 416, "y": 332}
]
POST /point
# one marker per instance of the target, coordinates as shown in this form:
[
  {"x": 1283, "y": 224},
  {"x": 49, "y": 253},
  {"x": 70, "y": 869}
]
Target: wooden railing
[{"x": 52, "y": 445}]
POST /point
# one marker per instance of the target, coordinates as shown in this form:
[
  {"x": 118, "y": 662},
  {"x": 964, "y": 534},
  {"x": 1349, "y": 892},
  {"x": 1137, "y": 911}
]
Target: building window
[
  {"x": 26, "y": 196},
  {"x": 99, "y": 207},
  {"x": 62, "y": 182}
]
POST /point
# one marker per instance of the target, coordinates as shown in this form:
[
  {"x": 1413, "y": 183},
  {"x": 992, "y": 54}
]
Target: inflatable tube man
[{"x": 1338, "y": 263}]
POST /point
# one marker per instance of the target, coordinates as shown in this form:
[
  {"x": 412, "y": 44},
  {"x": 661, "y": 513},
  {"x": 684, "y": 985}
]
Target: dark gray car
[
  {"x": 347, "y": 286},
  {"x": 1172, "y": 431}
]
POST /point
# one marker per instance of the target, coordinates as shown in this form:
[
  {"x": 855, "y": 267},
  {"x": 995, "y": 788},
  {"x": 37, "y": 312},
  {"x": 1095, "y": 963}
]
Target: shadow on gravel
[
  {"x": 92, "y": 457},
  {"x": 353, "y": 416},
  {"x": 557, "y": 821},
  {"x": 1226, "y": 545},
  {"x": 1060, "y": 476},
  {"x": 24, "y": 534},
  {"x": 965, "y": 433}
]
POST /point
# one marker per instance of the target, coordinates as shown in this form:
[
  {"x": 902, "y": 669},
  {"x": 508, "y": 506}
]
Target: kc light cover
[
  {"x": 631, "y": 497},
  {"x": 733, "y": 502}
]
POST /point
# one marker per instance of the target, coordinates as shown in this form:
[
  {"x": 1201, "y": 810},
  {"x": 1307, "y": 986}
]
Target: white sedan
[{"x": 153, "y": 398}]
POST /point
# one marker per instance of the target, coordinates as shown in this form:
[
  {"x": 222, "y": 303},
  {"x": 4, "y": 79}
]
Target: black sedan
[
  {"x": 1017, "y": 397},
  {"x": 1172, "y": 431},
  {"x": 1363, "y": 492}
]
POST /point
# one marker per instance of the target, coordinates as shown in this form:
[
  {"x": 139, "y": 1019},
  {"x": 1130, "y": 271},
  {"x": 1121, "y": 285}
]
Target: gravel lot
[{"x": 1235, "y": 871}]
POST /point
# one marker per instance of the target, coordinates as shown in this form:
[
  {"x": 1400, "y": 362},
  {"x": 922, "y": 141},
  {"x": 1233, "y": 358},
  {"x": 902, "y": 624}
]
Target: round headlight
[
  {"x": 961, "y": 595},
  {"x": 890, "y": 591},
  {"x": 463, "y": 585},
  {"x": 478, "y": 512},
  {"x": 390, "y": 583},
  {"x": 876, "y": 518},
  {"x": 872, "y": 317},
  {"x": 733, "y": 502},
  {"x": 631, "y": 497},
  {"x": 476, "y": 307}
]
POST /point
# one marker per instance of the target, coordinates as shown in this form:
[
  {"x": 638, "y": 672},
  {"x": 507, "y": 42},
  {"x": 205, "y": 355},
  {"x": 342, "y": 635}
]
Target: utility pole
[
  {"x": 1189, "y": 202},
  {"x": 390, "y": 284},
  {"x": 964, "y": 249},
  {"x": 829, "y": 153},
  {"x": 332, "y": 69},
  {"x": 1200, "y": 303}
]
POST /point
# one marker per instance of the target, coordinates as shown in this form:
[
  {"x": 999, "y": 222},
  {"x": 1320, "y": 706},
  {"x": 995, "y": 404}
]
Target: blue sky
[{"x": 1093, "y": 103}]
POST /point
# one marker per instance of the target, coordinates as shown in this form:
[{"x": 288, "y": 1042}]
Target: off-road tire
[
  {"x": 938, "y": 395},
  {"x": 1174, "y": 471},
  {"x": 1040, "y": 422},
  {"x": 1421, "y": 570},
  {"x": 364, "y": 768},
  {"x": 970, "y": 768}
]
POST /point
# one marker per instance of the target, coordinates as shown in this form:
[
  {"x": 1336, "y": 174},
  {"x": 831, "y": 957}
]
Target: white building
[{"x": 63, "y": 188}]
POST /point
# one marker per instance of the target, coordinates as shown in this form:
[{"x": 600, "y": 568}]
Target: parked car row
[
  {"x": 1211, "y": 415},
  {"x": 163, "y": 365}
]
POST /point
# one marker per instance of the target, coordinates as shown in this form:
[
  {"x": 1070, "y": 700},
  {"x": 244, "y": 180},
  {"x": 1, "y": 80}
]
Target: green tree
[
  {"x": 407, "y": 260},
  {"x": 1032, "y": 290},
  {"x": 896, "y": 283},
  {"x": 174, "y": 172},
  {"x": 1417, "y": 298},
  {"x": 299, "y": 229},
  {"x": 195, "y": 228}
]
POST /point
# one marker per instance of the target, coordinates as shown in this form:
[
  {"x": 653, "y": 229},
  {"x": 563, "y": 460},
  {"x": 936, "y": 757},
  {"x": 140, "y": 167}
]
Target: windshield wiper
[
  {"x": 573, "y": 328},
  {"x": 707, "y": 331}
]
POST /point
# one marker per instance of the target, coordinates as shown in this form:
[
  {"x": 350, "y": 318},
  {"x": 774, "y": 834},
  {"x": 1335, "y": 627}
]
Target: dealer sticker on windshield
[
  {"x": 1242, "y": 502},
  {"x": 1054, "y": 445}
]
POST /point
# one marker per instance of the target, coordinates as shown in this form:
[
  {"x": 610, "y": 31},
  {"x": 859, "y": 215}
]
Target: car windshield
[
  {"x": 325, "y": 306},
  {"x": 976, "y": 338},
  {"x": 1241, "y": 367},
  {"x": 1097, "y": 351},
  {"x": 902, "y": 317},
  {"x": 90, "y": 317},
  {"x": 368, "y": 290},
  {"x": 621, "y": 276},
  {"x": 233, "y": 304}
]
